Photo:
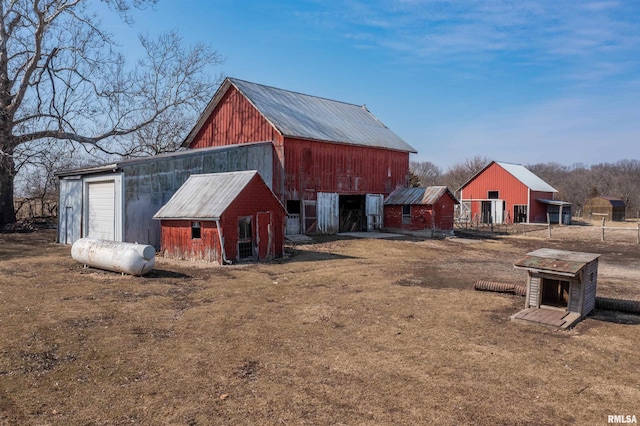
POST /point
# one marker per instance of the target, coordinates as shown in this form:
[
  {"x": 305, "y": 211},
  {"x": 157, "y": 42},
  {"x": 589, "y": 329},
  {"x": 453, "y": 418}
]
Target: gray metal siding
[{"x": 150, "y": 184}]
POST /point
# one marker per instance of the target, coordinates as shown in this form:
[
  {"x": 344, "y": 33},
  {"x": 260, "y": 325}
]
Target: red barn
[
  {"x": 418, "y": 209},
  {"x": 508, "y": 193},
  {"x": 327, "y": 155},
  {"x": 222, "y": 218}
]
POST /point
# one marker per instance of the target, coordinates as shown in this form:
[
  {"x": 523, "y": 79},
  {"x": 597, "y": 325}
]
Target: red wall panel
[
  {"x": 234, "y": 120},
  {"x": 510, "y": 189},
  {"x": 255, "y": 197},
  {"x": 301, "y": 168},
  {"x": 177, "y": 241},
  {"x": 313, "y": 167},
  {"x": 438, "y": 216}
]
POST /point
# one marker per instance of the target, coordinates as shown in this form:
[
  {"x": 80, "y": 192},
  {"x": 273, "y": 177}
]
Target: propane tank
[{"x": 129, "y": 258}]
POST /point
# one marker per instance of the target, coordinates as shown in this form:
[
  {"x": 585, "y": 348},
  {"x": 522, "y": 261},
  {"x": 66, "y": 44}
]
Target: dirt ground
[{"x": 342, "y": 331}]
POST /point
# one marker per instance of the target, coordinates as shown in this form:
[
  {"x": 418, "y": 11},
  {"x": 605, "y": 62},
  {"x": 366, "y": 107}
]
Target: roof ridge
[{"x": 232, "y": 79}]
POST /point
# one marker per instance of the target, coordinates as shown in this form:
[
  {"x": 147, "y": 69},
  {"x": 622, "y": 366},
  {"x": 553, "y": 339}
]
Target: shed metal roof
[
  {"x": 205, "y": 196},
  {"x": 561, "y": 262},
  {"x": 527, "y": 177},
  {"x": 554, "y": 202},
  {"x": 422, "y": 195},
  {"x": 310, "y": 117},
  {"x": 614, "y": 201}
]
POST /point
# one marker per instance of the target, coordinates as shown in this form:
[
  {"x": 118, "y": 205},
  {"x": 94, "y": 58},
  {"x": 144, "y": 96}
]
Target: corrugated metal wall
[
  {"x": 150, "y": 184},
  {"x": 70, "y": 210}
]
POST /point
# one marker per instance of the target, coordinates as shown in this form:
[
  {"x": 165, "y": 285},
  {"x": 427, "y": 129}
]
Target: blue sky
[{"x": 524, "y": 82}]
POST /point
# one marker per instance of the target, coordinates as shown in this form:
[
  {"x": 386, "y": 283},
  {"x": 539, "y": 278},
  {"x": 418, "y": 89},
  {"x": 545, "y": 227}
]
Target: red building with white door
[
  {"x": 510, "y": 193},
  {"x": 333, "y": 162}
]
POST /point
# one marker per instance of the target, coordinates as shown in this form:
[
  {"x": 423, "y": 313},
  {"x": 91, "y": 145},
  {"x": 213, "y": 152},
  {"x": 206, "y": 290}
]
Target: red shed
[
  {"x": 222, "y": 218},
  {"x": 328, "y": 155},
  {"x": 417, "y": 209},
  {"x": 508, "y": 193}
]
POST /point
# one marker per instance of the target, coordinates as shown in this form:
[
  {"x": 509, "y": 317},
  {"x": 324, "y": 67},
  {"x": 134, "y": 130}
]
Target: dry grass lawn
[{"x": 343, "y": 331}]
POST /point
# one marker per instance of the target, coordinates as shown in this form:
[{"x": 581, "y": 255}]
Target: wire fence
[{"x": 588, "y": 230}]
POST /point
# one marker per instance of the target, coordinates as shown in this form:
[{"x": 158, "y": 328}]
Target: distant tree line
[{"x": 575, "y": 184}]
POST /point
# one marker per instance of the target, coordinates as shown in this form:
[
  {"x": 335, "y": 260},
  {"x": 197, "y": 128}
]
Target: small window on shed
[
  {"x": 195, "y": 230},
  {"x": 493, "y": 195},
  {"x": 406, "y": 213}
]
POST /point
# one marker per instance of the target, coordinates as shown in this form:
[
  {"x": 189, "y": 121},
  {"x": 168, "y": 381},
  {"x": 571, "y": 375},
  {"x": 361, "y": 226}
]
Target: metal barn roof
[
  {"x": 527, "y": 177},
  {"x": 205, "y": 196},
  {"x": 614, "y": 201},
  {"x": 423, "y": 195},
  {"x": 309, "y": 117}
]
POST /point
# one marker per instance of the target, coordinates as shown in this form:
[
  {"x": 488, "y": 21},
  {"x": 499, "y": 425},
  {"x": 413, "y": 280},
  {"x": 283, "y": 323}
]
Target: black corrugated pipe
[{"x": 621, "y": 305}]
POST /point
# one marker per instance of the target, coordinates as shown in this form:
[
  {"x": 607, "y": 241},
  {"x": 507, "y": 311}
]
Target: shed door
[
  {"x": 102, "y": 205},
  {"x": 69, "y": 211},
  {"x": 328, "y": 212},
  {"x": 374, "y": 210},
  {"x": 265, "y": 235}
]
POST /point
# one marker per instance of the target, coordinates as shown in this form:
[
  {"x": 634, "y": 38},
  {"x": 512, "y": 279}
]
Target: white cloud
[{"x": 575, "y": 35}]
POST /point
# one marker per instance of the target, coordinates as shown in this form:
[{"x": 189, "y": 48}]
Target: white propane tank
[{"x": 130, "y": 258}]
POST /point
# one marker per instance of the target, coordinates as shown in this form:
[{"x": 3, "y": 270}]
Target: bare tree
[
  {"x": 458, "y": 174},
  {"x": 425, "y": 173},
  {"x": 61, "y": 79}
]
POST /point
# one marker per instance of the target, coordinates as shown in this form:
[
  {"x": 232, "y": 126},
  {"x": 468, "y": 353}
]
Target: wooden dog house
[{"x": 561, "y": 286}]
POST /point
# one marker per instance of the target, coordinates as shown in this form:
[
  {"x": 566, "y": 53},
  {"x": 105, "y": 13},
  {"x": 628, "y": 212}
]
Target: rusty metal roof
[
  {"x": 309, "y": 117},
  {"x": 423, "y": 195},
  {"x": 205, "y": 196},
  {"x": 561, "y": 262}
]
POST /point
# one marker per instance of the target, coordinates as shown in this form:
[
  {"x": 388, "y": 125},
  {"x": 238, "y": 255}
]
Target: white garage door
[{"x": 102, "y": 207}]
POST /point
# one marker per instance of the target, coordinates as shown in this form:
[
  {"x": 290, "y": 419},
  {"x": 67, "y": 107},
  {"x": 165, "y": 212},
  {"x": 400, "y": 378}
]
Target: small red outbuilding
[
  {"x": 417, "y": 209},
  {"x": 223, "y": 218}
]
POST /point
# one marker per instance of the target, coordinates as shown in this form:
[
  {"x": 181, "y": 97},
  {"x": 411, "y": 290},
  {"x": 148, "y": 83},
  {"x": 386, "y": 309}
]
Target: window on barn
[
  {"x": 195, "y": 231},
  {"x": 493, "y": 195},
  {"x": 406, "y": 213},
  {"x": 245, "y": 241}
]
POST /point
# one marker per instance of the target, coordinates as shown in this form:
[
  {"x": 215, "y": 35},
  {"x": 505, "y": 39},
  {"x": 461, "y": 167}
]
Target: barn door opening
[
  {"x": 293, "y": 217},
  {"x": 492, "y": 211},
  {"x": 352, "y": 213},
  {"x": 555, "y": 293}
]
